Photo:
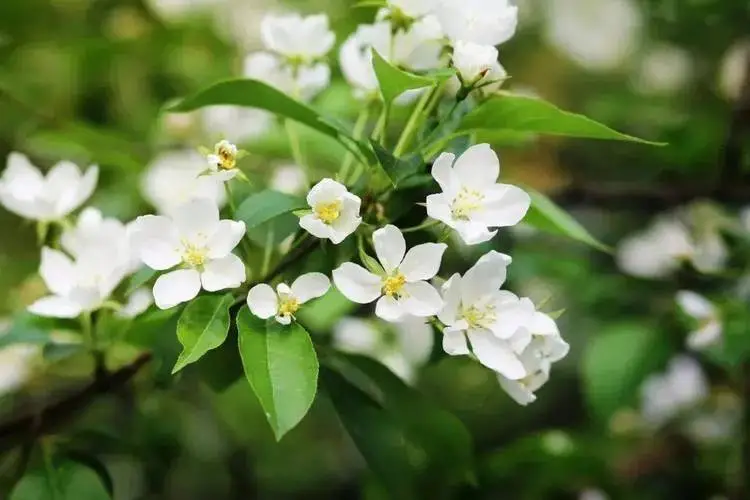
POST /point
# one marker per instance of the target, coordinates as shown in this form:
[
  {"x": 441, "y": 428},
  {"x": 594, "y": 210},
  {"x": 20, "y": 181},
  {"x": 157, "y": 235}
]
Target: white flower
[
  {"x": 235, "y": 123},
  {"x": 597, "y": 34},
  {"x": 288, "y": 179},
  {"x": 77, "y": 286},
  {"x": 491, "y": 319},
  {"x": 284, "y": 303},
  {"x": 138, "y": 302},
  {"x": 699, "y": 308},
  {"x": 402, "y": 289},
  {"x": 665, "y": 395},
  {"x": 412, "y": 8},
  {"x": 472, "y": 61},
  {"x": 592, "y": 494},
  {"x": 25, "y": 191},
  {"x": 664, "y": 69},
  {"x": 195, "y": 239},
  {"x": 335, "y": 211},
  {"x": 417, "y": 49},
  {"x": 17, "y": 365},
  {"x": 223, "y": 161},
  {"x": 486, "y": 22},
  {"x": 471, "y": 201},
  {"x": 300, "y": 39},
  {"x": 403, "y": 346},
  {"x": 174, "y": 178},
  {"x": 733, "y": 69},
  {"x": 303, "y": 82}
]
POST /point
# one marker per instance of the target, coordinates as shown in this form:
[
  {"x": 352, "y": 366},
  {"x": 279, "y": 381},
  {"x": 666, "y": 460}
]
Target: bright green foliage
[{"x": 203, "y": 326}]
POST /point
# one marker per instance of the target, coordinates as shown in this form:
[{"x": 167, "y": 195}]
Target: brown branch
[{"x": 49, "y": 419}]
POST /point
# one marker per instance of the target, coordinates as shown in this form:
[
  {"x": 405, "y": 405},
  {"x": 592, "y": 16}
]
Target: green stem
[
  {"x": 359, "y": 128},
  {"x": 382, "y": 125},
  {"x": 425, "y": 225},
  {"x": 415, "y": 120},
  {"x": 296, "y": 148},
  {"x": 267, "y": 252},
  {"x": 230, "y": 199}
]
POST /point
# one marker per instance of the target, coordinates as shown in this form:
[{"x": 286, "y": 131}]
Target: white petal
[
  {"x": 197, "y": 220},
  {"x": 473, "y": 232},
  {"x": 496, "y": 354},
  {"x": 422, "y": 262},
  {"x": 61, "y": 186},
  {"x": 86, "y": 186},
  {"x": 415, "y": 338},
  {"x": 517, "y": 391},
  {"x": 705, "y": 336},
  {"x": 543, "y": 324},
  {"x": 478, "y": 167},
  {"x": 176, "y": 287},
  {"x": 390, "y": 247},
  {"x": 154, "y": 239},
  {"x": 482, "y": 279},
  {"x": 505, "y": 205},
  {"x": 695, "y": 305},
  {"x": 227, "y": 236},
  {"x": 451, "y": 300},
  {"x": 422, "y": 299},
  {"x": 439, "y": 208},
  {"x": 389, "y": 309},
  {"x": 442, "y": 172},
  {"x": 356, "y": 335},
  {"x": 55, "y": 307},
  {"x": 357, "y": 283},
  {"x": 263, "y": 301},
  {"x": 219, "y": 274},
  {"x": 325, "y": 191},
  {"x": 310, "y": 286},
  {"x": 454, "y": 342},
  {"x": 57, "y": 271},
  {"x": 315, "y": 226},
  {"x": 138, "y": 302},
  {"x": 284, "y": 320}
]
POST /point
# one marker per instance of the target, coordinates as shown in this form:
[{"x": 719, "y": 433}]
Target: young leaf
[
  {"x": 282, "y": 368},
  {"x": 397, "y": 169},
  {"x": 203, "y": 326},
  {"x": 266, "y": 205},
  {"x": 394, "y": 81},
  {"x": 66, "y": 481},
  {"x": 517, "y": 113},
  {"x": 546, "y": 216}
]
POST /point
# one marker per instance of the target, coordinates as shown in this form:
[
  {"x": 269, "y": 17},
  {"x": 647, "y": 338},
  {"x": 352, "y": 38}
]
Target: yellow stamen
[
  {"x": 328, "y": 212},
  {"x": 288, "y": 306},
  {"x": 194, "y": 256},
  {"x": 479, "y": 318},
  {"x": 465, "y": 203},
  {"x": 393, "y": 285},
  {"x": 227, "y": 155}
]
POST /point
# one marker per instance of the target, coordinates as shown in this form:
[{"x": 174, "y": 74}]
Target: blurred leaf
[
  {"x": 282, "y": 368},
  {"x": 264, "y": 206},
  {"x": 517, "y": 113},
  {"x": 393, "y": 81},
  {"x": 397, "y": 169},
  {"x": 140, "y": 278},
  {"x": 322, "y": 314},
  {"x": 202, "y": 326},
  {"x": 54, "y": 352},
  {"x": 66, "y": 481},
  {"x": 256, "y": 94},
  {"x": 546, "y": 216},
  {"x": 27, "y": 329}
]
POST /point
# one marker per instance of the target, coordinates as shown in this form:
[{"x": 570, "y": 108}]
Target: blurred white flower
[
  {"x": 335, "y": 211},
  {"x": 299, "y": 39},
  {"x": 472, "y": 202},
  {"x": 284, "y": 303},
  {"x": 173, "y": 179},
  {"x": 734, "y": 66},
  {"x": 138, "y": 302},
  {"x": 235, "y": 123},
  {"x": 412, "y": 8},
  {"x": 709, "y": 325},
  {"x": 664, "y": 69},
  {"x": 402, "y": 288},
  {"x": 599, "y": 35},
  {"x": 491, "y": 319},
  {"x": 194, "y": 238},
  {"x": 288, "y": 179},
  {"x": 592, "y": 494},
  {"x": 172, "y": 10},
  {"x": 666, "y": 395},
  {"x": 25, "y": 191},
  {"x": 485, "y": 22},
  {"x": 77, "y": 286},
  {"x": 473, "y": 62},
  {"x": 17, "y": 365},
  {"x": 223, "y": 161},
  {"x": 303, "y": 82},
  {"x": 403, "y": 346}
]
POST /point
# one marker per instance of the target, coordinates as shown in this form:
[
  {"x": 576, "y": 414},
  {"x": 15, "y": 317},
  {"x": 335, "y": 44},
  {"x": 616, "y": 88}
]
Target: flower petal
[
  {"x": 357, "y": 283},
  {"x": 439, "y": 208},
  {"x": 310, "y": 286},
  {"x": 478, "y": 167},
  {"x": 176, "y": 287},
  {"x": 695, "y": 305},
  {"x": 442, "y": 172},
  {"x": 57, "y": 271},
  {"x": 707, "y": 335},
  {"x": 422, "y": 262},
  {"x": 517, "y": 391},
  {"x": 263, "y": 301},
  {"x": 473, "y": 232},
  {"x": 504, "y": 205},
  {"x": 451, "y": 300},
  {"x": 219, "y": 274},
  {"x": 55, "y": 307},
  {"x": 415, "y": 339},
  {"x": 86, "y": 186},
  {"x": 421, "y": 299},
  {"x": 482, "y": 279},
  {"x": 454, "y": 342},
  {"x": 315, "y": 226},
  {"x": 227, "y": 236},
  {"x": 325, "y": 191},
  {"x": 390, "y": 247},
  {"x": 155, "y": 240},
  {"x": 496, "y": 354},
  {"x": 197, "y": 220},
  {"x": 356, "y": 335},
  {"x": 389, "y": 309}
]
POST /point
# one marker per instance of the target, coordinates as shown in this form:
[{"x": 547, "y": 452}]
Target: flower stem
[
  {"x": 267, "y": 252},
  {"x": 359, "y": 128},
  {"x": 425, "y": 225},
  {"x": 415, "y": 120},
  {"x": 296, "y": 148}
]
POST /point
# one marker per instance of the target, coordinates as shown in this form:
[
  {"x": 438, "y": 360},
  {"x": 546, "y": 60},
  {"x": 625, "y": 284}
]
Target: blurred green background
[{"x": 87, "y": 80}]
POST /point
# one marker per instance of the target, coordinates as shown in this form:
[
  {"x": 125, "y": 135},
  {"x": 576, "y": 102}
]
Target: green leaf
[
  {"x": 27, "y": 329},
  {"x": 517, "y": 113},
  {"x": 546, "y": 216},
  {"x": 394, "y": 81},
  {"x": 66, "y": 481},
  {"x": 266, "y": 205},
  {"x": 282, "y": 368},
  {"x": 397, "y": 169},
  {"x": 369, "y": 3},
  {"x": 256, "y": 94},
  {"x": 139, "y": 279},
  {"x": 202, "y": 327}
]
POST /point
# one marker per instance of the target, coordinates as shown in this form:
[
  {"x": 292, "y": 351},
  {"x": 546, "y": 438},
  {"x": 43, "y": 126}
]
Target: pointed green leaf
[
  {"x": 546, "y": 216},
  {"x": 397, "y": 169},
  {"x": 266, "y": 205},
  {"x": 202, "y": 326},
  {"x": 282, "y": 368},
  {"x": 66, "y": 481},
  {"x": 394, "y": 81},
  {"x": 516, "y": 113}
]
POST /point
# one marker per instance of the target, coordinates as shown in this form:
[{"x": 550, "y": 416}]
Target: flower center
[
  {"x": 288, "y": 306},
  {"x": 193, "y": 255},
  {"x": 479, "y": 317},
  {"x": 393, "y": 285},
  {"x": 227, "y": 155},
  {"x": 466, "y": 202},
  {"x": 328, "y": 212}
]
